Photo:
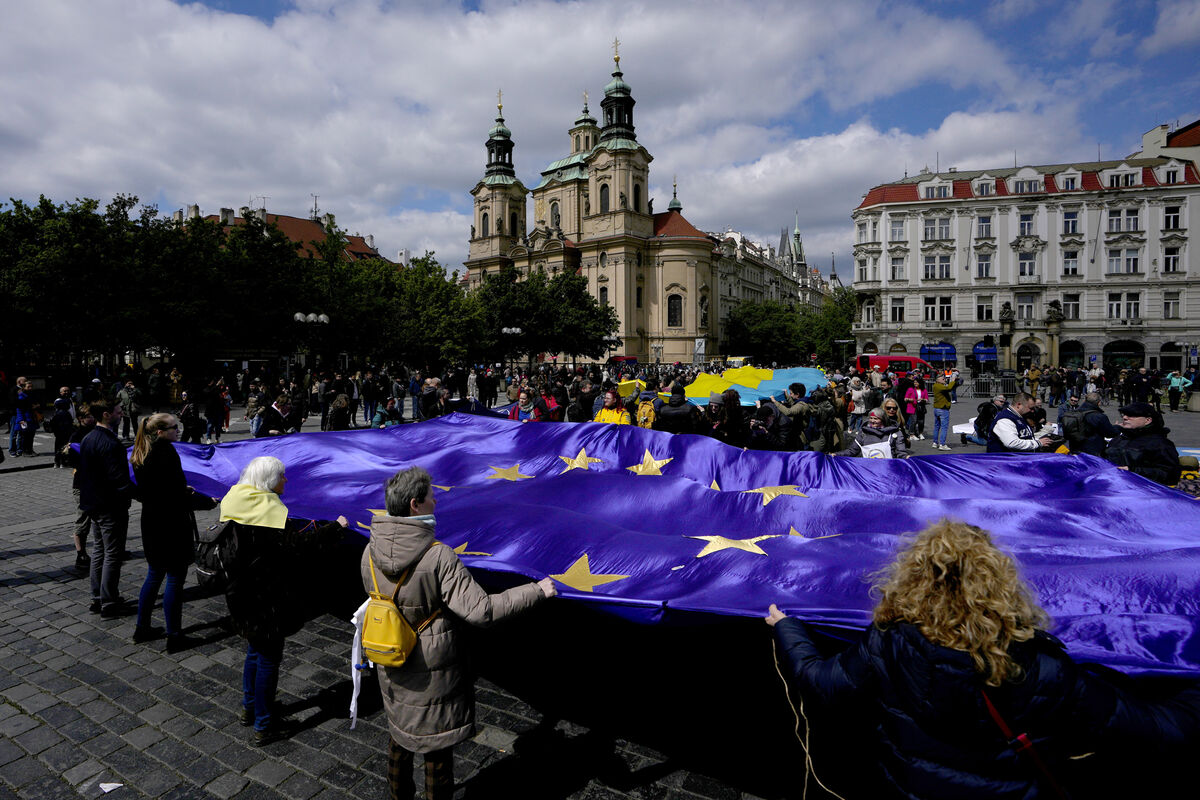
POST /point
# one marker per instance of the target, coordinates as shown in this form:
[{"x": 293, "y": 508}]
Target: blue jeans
[
  {"x": 973, "y": 439},
  {"x": 16, "y": 438},
  {"x": 941, "y": 425},
  {"x": 369, "y": 409},
  {"x": 260, "y": 676},
  {"x": 255, "y": 424},
  {"x": 172, "y": 597}
]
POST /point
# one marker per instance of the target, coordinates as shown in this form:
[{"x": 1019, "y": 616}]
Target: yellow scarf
[{"x": 250, "y": 505}]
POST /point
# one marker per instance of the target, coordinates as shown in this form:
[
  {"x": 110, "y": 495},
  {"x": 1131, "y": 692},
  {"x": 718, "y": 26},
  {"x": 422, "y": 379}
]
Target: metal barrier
[{"x": 989, "y": 385}]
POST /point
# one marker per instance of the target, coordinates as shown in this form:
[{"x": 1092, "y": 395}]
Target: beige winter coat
[{"x": 430, "y": 701}]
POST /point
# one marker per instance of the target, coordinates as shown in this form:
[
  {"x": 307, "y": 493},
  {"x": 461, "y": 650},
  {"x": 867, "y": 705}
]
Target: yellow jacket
[{"x": 617, "y": 416}]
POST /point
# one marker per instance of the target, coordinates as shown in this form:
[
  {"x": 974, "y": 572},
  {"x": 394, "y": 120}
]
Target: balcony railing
[{"x": 1028, "y": 279}]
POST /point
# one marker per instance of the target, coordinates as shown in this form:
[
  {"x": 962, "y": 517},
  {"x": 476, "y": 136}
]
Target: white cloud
[
  {"x": 1178, "y": 25},
  {"x": 382, "y": 108},
  {"x": 1009, "y": 10}
]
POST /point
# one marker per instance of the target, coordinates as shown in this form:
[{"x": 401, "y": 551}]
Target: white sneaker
[
  {"x": 945, "y": 447},
  {"x": 921, "y": 437}
]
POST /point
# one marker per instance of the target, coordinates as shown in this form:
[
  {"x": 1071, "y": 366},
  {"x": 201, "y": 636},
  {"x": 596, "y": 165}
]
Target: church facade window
[
  {"x": 637, "y": 197},
  {"x": 483, "y": 226},
  {"x": 512, "y": 224},
  {"x": 603, "y": 295},
  {"x": 604, "y": 198},
  {"x": 674, "y": 311}
]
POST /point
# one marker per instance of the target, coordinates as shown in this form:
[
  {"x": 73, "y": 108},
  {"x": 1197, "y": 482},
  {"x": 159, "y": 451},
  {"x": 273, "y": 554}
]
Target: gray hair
[
  {"x": 263, "y": 472},
  {"x": 405, "y": 486},
  {"x": 1092, "y": 397}
]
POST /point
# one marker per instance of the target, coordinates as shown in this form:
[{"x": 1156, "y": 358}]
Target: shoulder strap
[{"x": 1023, "y": 745}]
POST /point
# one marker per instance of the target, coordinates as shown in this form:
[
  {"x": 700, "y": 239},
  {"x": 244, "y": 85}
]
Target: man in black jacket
[
  {"x": 105, "y": 493},
  {"x": 1143, "y": 447},
  {"x": 677, "y": 415},
  {"x": 1085, "y": 426}
]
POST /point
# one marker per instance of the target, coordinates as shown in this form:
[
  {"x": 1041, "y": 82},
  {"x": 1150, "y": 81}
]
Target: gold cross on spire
[
  {"x": 617, "y": 51},
  {"x": 500, "y": 100}
]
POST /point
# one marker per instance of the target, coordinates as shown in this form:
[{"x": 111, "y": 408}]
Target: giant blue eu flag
[{"x": 647, "y": 524}]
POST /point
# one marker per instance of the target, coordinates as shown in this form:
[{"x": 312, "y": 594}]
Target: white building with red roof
[{"x": 1063, "y": 264}]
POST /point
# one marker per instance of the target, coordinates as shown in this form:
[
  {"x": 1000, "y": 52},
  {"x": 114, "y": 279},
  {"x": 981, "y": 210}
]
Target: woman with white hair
[{"x": 263, "y": 593}]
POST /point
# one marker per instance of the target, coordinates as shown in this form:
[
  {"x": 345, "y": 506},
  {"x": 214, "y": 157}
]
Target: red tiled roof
[
  {"x": 1189, "y": 174},
  {"x": 1091, "y": 182},
  {"x": 672, "y": 223},
  {"x": 1148, "y": 177},
  {"x": 304, "y": 231},
  {"x": 962, "y": 189},
  {"x": 1187, "y": 136},
  {"x": 1051, "y": 184},
  {"x": 903, "y": 193},
  {"x": 1002, "y": 187}
]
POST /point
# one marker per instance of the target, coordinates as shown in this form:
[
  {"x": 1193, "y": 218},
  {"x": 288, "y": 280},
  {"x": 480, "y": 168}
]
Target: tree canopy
[{"x": 774, "y": 331}]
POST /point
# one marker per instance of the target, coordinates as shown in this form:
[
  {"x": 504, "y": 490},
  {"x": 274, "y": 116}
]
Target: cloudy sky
[{"x": 381, "y": 108}]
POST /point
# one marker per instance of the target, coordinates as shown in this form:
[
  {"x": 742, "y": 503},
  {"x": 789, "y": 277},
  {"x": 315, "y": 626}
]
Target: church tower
[
  {"x": 618, "y": 168},
  {"x": 499, "y": 219}
]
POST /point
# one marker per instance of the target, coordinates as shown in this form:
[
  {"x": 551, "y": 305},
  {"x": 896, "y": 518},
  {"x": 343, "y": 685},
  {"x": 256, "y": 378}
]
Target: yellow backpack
[{"x": 387, "y": 637}]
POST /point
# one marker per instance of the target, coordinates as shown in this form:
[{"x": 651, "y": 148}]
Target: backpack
[
  {"x": 1075, "y": 428},
  {"x": 387, "y": 637},
  {"x": 216, "y": 555},
  {"x": 646, "y": 415}
]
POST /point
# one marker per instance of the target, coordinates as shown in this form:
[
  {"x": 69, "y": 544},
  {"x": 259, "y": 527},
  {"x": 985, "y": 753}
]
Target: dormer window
[
  {"x": 985, "y": 188},
  {"x": 1070, "y": 183},
  {"x": 1171, "y": 176},
  {"x": 1027, "y": 186},
  {"x": 1121, "y": 179},
  {"x": 936, "y": 192}
]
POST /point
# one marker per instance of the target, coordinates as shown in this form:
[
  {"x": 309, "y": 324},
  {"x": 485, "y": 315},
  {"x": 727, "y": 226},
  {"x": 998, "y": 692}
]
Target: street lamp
[
  {"x": 511, "y": 332},
  {"x": 310, "y": 319}
]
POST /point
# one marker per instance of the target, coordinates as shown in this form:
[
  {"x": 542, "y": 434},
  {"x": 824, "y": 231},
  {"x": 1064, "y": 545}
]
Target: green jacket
[{"x": 941, "y": 393}]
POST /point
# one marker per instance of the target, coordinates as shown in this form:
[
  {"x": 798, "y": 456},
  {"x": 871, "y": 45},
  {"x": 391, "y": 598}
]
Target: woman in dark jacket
[
  {"x": 268, "y": 589},
  {"x": 956, "y": 634},
  {"x": 167, "y": 525}
]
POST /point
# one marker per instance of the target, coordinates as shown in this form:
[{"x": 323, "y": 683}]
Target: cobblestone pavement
[{"x": 82, "y": 706}]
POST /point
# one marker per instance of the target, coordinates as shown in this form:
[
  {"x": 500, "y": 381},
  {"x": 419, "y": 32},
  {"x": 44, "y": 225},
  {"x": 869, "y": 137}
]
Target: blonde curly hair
[{"x": 961, "y": 592}]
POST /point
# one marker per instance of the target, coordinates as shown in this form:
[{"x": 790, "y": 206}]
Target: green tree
[
  {"x": 834, "y": 319},
  {"x": 767, "y": 332},
  {"x": 580, "y": 322}
]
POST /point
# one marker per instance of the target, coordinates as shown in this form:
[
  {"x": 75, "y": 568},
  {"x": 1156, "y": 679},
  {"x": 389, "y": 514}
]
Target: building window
[
  {"x": 983, "y": 308},
  {"x": 1114, "y": 221},
  {"x": 512, "y": 225},
  {"x": 603, "y": 260},
  {"x": 931, "y": 309},
  {"x": 1122, "y": 179},
  {"x": 603, "y": 295},
  {"x": 1025, "y": 225},
  {"x": 1026, "y": 264},
  {"x": 874, "y": 230},
  {"x": 1069, "y": 184},
  {"x": 577, "y": 143},
  {"x": 869, "y": 312},
  {"x": 862, "y": 232},
  {"x": 983, "y": 265},
  {"x": 1070, "y": 306},
  {"x": 1070, "y": 222},
  {"x": 483, "y": 224},
  {"x": 1070, "y": 262},
  {"x": 1025, "y": 304},
  {"x": 945, "y": 313},
  {"x": 639, "y": 297},
  {"x": 897, "y": 309},
  {"x": 935, "y": 192},
  {"x": 862, "y": 269},
  {"x": 1170, "y": 305},
  {"x": 1024, "y": 187},
  {"x": 985, "y": 227},
  {"x": 937, "y": 268},
  {"x": 1133, "y": 305},
  {"x": 604, "y": 198},
  {"x": 943, "y": 227},
  {"x": 1114, "y": 305},
  {"x": 1131, "y": 220},
  {"x": 674, "y": 311},
  {"x": 1171, "y": 218},
  {"x": 1131, "y": 261},
  {"x": 1171, "y": 259},
  {"x": 1172, "y": 176},
  {"x": 637, "y": 197},
  {"x": 984, "y": 189},
  {"x": 897, "y": 268},
  {"x": 897, "y": 230}
]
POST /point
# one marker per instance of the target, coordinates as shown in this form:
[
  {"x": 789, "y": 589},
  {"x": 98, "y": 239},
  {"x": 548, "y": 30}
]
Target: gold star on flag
[
  {"x": 718, "y": 543},
  {"x": 794, "y": 532},
  {"x": 580, "y": 461},
  {"x": 714, "y": 485},
  {"x": 375, "y": 512},
  {"x": 769, "y": 493},
  {"x": 443, "y": 488},
  {"x": 512, "y": 473},
  {"x": 579, "y": 576},
  {"x": 463, "y": 551},
  {"x": 650, "y": 465}
]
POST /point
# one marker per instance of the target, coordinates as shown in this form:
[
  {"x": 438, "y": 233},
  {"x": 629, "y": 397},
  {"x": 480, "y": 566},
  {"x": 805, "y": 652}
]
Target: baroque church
[{"x": 592, "y": 214}]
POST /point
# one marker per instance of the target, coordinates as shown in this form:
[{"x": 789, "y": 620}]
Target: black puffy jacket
[
  {"x": 934, "y": 736},
  {"x": 1147, "y": 452}
]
